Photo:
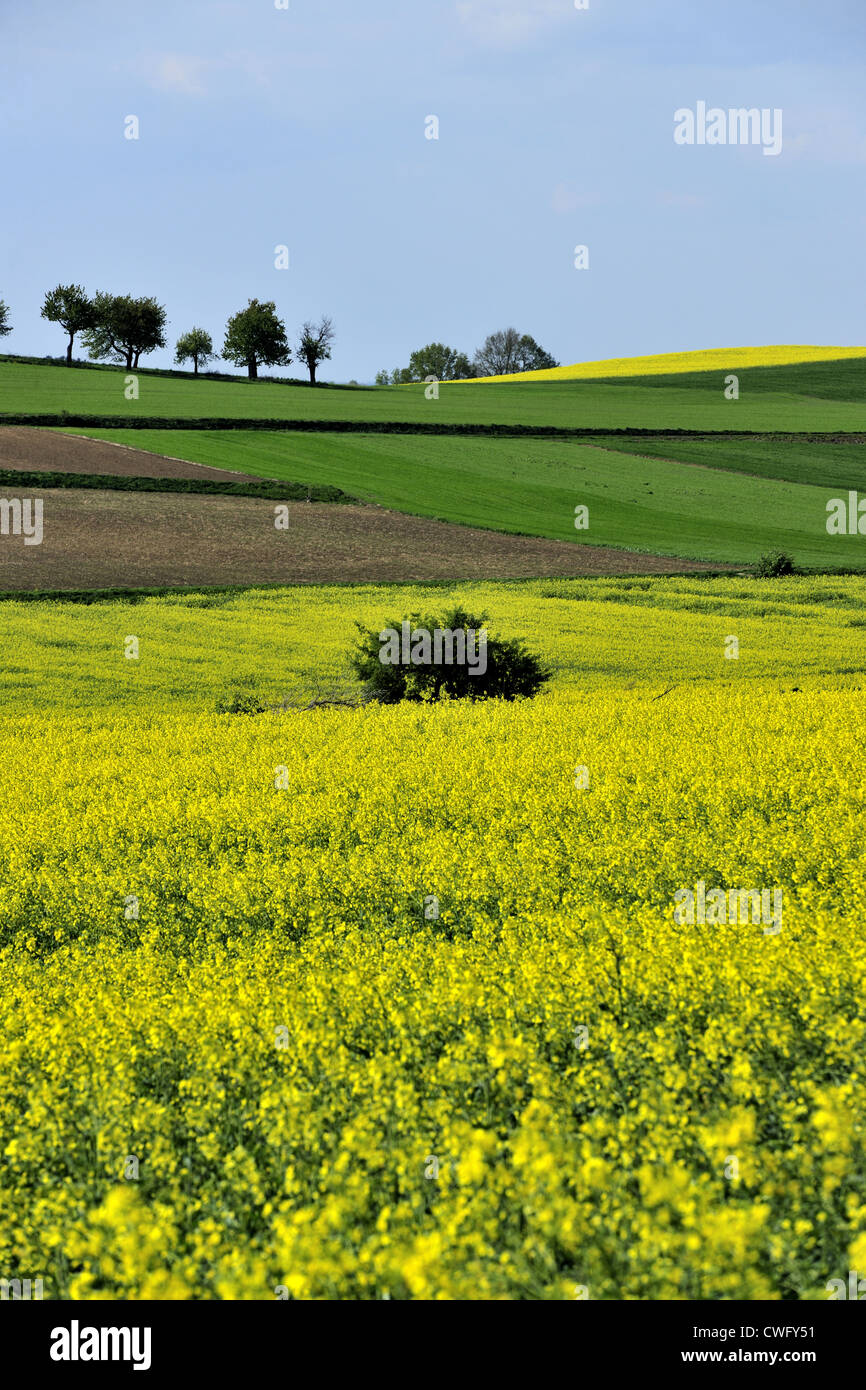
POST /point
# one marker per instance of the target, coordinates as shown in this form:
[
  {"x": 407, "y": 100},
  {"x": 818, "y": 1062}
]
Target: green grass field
[
  {"x": 751, "y": 494},
  {"x": 818, "y": 397},
  {"x": 532, "y": 487},
  {"x": 819, "y": 462},
  {"x": 840, "y": 380}
]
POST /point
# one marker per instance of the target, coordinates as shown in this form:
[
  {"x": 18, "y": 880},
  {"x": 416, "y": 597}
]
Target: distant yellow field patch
[{"x": 667, "y": 363}]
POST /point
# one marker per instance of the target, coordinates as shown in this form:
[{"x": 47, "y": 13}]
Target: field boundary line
[{"x": 201, "y": 423}]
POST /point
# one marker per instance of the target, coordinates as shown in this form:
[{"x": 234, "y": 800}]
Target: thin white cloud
[
  {"x": 509, "y": 23},
  {"x": 566, "y": 199},
  {"x": 194, "y": 76},
  {"x": 827, "y": 137},
  {"x": 174, "y": 72},
  {"x": 681, "y": 200}
]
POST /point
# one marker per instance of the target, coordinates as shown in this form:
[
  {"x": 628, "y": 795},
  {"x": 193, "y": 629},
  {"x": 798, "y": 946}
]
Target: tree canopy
[
  {"x": 256, "y": 337},
  {"x": 501, "y": 353},
  {"x": 70, "y": 307},
  {"x": 196, "y": 346},
  {"x": 314, "y": 346},
  {"x": 445, "y": 363},
  {"x": 508, "y": 351},
  {"x": 124, "y": 327}
]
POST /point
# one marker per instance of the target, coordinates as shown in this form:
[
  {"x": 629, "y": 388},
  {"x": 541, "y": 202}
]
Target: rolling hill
[
  {"x": 532, "y": 487},
  {"x": 734, "y": 479},
  {"x": 677, "y": 363},
  {"x": 814, "y": 397}
]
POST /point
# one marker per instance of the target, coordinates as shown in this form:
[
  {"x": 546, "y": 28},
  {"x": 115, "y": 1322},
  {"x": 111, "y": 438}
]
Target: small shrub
[
  {"x": 240, "y": 702},
  {"x": 491, "y": 668},
  {"x": 774, "y": 564}
]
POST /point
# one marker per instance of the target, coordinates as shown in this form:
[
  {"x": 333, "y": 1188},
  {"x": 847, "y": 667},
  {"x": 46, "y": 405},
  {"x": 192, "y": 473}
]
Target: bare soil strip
[
  {"x": 42, "y": 451},
  {"x": 100, "y": 539}
]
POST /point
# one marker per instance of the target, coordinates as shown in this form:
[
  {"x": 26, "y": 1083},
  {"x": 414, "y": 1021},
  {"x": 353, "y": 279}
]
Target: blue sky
[{"x": 306, "y": 127}]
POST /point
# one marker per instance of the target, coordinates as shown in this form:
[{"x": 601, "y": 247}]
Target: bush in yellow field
[{"x": 392, "y": 1001}]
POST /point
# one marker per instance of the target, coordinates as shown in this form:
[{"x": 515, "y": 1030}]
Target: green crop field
[
  {"x": 533, "y": 486},
  {"x": 748, "y": 494},
  {"x": 820, "y": 397},
  {"x": 843, "y": 379},
  {"x": 819, "y": 462}
]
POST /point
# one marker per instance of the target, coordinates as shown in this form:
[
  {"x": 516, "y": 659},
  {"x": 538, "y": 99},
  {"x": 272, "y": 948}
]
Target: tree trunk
[
  {"x": 195, "y": 365},
  {"x": 135, "y": 363},
  {"x": 69, "y": 350},
  {"x": 312, "y": 367},
  {"x": 253, "y": 368},
  {"x": 129, "y": 359}
]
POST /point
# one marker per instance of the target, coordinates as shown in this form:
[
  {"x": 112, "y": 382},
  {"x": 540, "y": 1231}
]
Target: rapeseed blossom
[{"x": 277, "y": 1076}]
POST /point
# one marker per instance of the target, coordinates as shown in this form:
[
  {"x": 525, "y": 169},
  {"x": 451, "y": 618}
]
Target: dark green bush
[
  {"x": 73, "y": 420},
  {"x": 509, "y": 671},
  {"x": 240, "y": 703},
  {"x": 773, "y": 564}
]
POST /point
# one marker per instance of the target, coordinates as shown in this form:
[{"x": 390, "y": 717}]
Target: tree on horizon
[
  {"x": 315, "y": 344},
  {"x": 256, "y": 337},
  {"x": 508, "y": 351},
  {"x": 124, "y": 328},
  {"x": 71, "y": 308},
  {"x": 195, "y": 346}
]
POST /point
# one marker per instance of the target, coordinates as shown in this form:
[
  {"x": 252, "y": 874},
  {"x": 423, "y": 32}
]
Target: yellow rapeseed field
[
  {"x": 707, "y": 360},
  {"x": 392, "y": 1002}
]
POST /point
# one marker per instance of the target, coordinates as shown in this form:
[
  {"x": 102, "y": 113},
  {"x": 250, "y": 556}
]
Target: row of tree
[
  {"x": 121, "y": 328},
  {"x": 500, "y": 354}
]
